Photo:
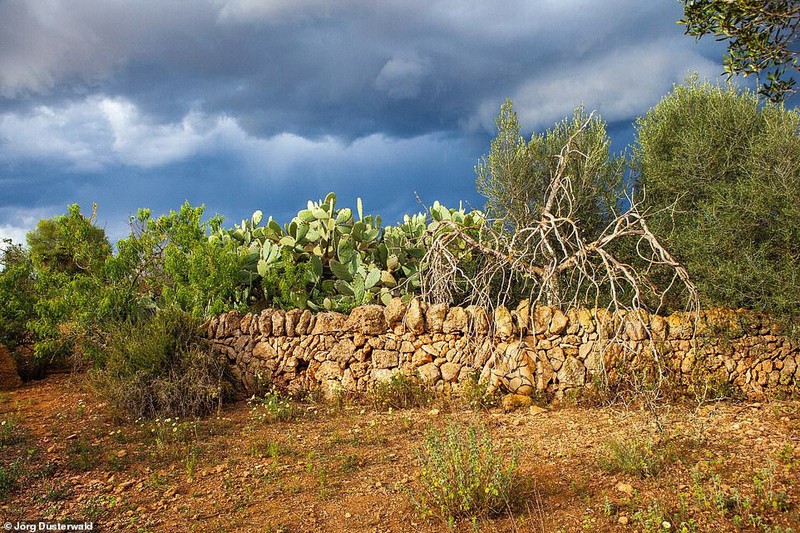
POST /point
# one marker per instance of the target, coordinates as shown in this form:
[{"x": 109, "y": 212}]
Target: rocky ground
[{"x": 349, "y": 467}]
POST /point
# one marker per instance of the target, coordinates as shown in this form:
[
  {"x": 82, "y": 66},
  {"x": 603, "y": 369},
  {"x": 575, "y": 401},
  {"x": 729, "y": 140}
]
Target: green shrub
[
  {"x": 463, "y": 475},
  {"x": 161, "y": 367},
  {"x": 9, "y": 479},
  {"x": 272, "y": 407},
  {"x": 643, "y": 458},
  {"x": 475, "y": 393},
  {"x": 721, "y": 176},
  {"x": 400, "y": 392}
]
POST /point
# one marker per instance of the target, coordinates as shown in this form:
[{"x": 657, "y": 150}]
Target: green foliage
[
  {"x": 721, "y": 176},
  {"x": 171, "y": 261},
  {"x": 400, "y": 392},
  {"x": 11, "y": 432},
  {"x": 17, "y": 292},
  {"x": 475, "y": 393},
  {"x": 272, "y": 407},
  {"x": 643, "y": 458},
  {"x": 161, "y": 366},
  {"x": 762, "y": 38},
  {"x": 67, "y": 257},
  {"x": 69, "y": 243},
  {"x": 516, "y": 175},
  {"x": 9, "y": 479},
  {"x": 330, "y": 258},
  {"x": 463, "y": 475}
]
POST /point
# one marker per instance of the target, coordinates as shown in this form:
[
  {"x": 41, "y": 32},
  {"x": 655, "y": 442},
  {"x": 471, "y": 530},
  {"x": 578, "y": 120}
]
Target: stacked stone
[{"x": 524, "y": 349}]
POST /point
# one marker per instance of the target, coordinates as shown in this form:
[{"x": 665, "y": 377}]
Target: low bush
[
  {"x": 272, "y": 407},
  {"x": 161, "y": 367},
  {"x": 400, "y": 392},
  {"x": 475, "y": 393},
  {"x": 640, "y": 457},
  {"x": 463, "y": 475}
]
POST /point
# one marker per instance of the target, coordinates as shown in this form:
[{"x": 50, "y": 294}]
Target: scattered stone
[
  {"x": 625, "y": 488},
  {"x": 536, "y": 410},
  {"x": 512, "y": 402}
]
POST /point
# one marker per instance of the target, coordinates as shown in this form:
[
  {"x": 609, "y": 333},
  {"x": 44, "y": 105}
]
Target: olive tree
[
  {"x": 762, "y": 37},
  {"x": 721, "y": 176}
]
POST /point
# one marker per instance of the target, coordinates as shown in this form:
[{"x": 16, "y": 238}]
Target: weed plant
[
  {"x": 11, "y": 432},
  {"x": 400, "y": 392},
  {"x": 643, "y": 458},
  {"x": 272, "y": 407},
  {"x": 9, "y": 479},
  {"x": 463, "y": 475},
  {"x": 161, "y": 367},
  {"x": 475, "y": 393}
]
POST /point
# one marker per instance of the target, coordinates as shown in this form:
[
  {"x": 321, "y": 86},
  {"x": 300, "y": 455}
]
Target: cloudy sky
[{"x": 263, "y": 104}]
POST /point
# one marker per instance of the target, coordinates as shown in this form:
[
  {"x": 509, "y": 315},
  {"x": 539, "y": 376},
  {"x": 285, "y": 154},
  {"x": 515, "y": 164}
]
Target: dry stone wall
[{"x": 524, "y": 350}]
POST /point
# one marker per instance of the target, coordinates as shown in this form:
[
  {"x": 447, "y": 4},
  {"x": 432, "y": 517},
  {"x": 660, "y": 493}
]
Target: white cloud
[
  {"x": 100, "y": 132},
  {"x": 401, "y": 77},
  {"x": 619, "y": 85},
  {"x": 20, "y": 221}
]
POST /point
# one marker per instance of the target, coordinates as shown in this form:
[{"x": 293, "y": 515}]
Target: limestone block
[
  {"x": 450, "y": 371},
  {"x": 434, "y": 318},
  {"x": 429, "y": 373},
  {"x": 342, "y": 351},
  {"x": 479, "y": 319},
  {"x": 415, "y": 316},
  {"x": 367, "y": 319},
  {"x": 394, "y": 312},
  {"x": 503, "y": 323},
  {"x": 457, "y": 321},
  {"x": 385, "y": 358},
  {"x": 572, "y": 373},
  {"x": 558, "y": 322}
]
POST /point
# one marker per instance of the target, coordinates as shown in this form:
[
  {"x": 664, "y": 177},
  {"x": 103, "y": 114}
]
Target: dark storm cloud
[
  {"x": 148, "y": 103},
  {"x": 347, "y": 68}
]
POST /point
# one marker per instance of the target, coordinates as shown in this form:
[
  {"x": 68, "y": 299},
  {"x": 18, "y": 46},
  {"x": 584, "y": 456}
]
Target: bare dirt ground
[{"x": 717, "y": 467}]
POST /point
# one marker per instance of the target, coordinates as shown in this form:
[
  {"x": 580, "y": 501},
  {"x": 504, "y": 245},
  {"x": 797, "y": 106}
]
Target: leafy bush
[
  {"x": 161, "y": 367},
  {"x": 516, "y": 174},
  {"x": 643, "y": 458},
  {"x": 721, "y": 173},
  {"x": 400, "y": 392},
  {"x": 475, "y": 393},
  {"x": 170, "y": 260},
  {"x": 463, "y": 475},
  {"x": 17, "y": 292}
]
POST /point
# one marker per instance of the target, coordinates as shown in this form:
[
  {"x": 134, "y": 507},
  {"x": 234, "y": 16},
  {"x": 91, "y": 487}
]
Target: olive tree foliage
[
  {"x": 17, "y": 294},
  {"x": 763, "y": 38},
  {"x": 64, "y": 268},
  {"x": 516, "y": 175},
  {"x": 562, "y": 238},
  {"x": 721, "y": 173},
  {"x": 170, "y": 261}
]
